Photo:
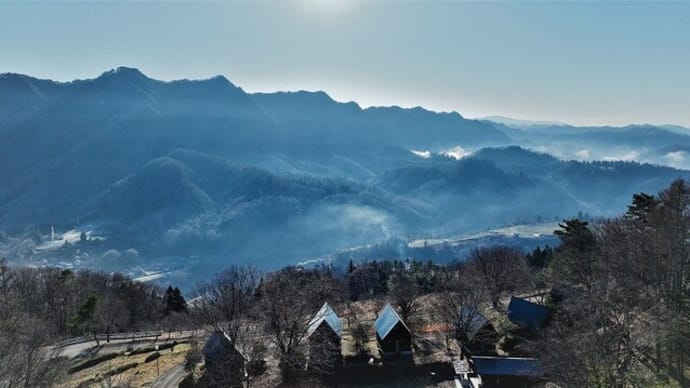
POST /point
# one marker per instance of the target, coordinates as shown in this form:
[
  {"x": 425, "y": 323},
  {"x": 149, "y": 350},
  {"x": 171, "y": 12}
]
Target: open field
[{"x": 528, "y": 231}]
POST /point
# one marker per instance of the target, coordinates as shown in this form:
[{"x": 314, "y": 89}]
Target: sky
[{"x": 583, "y": 63}]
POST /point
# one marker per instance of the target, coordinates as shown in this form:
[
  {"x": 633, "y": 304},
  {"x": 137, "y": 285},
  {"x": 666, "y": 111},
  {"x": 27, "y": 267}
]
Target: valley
[{"x": 164, "y": 180}]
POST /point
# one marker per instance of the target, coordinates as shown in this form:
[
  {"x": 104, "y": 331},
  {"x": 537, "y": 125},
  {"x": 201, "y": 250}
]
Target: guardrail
[
  {"x": 113, "y": 336},
  {"x": 133, "y": 336},
  {"x": 72, "y": 341}
]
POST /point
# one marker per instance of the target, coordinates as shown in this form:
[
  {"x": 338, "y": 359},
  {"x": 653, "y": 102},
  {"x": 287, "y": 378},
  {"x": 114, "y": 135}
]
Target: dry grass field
[{"x": 128, "y": 370}]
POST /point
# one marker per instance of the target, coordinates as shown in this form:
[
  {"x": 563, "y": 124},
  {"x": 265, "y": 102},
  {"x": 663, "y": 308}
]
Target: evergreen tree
[
  {"x": 540, "y": 258},
  {"x": 84, "y": 321},
  {"x": 174, "y": 301},
  {"x": 576, "y": 235},
  {"x": 351, "y": 267},
  {"x": 576, "y": 259},
  {"x": 641, "y": 207}
]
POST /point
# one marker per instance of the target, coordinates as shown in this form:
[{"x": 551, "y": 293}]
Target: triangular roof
[
  {"x": 218, "y": 346},
  {"x": 473, "y": 319},
  {"x": 387, "y": 320},
  {"x": 326, "y": 314},
  {"x": 527, "y": 314}
]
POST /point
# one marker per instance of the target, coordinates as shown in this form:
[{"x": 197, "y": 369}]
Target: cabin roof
[
  {"x": 327, "y": 315},
  {"x": 508, "y": 366},
  {"x": 473, "y": 319},
  {"x": 387, "y": 320},
  {"x": 527, "y": 314},
  {"x": 218, "y": 346}
]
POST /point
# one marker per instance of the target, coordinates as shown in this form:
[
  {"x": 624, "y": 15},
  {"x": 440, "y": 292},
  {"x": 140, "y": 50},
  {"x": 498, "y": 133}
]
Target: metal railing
[{"x": 113, "y": 336}]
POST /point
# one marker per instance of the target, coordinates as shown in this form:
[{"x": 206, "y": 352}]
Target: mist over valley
[{"x": 175, "y": 180}]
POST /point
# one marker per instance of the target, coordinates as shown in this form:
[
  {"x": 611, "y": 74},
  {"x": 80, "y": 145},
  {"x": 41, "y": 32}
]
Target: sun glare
[{"x": 326, "y": 7}]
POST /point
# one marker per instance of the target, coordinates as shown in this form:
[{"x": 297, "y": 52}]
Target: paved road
[
  {"x": 74, "y": 350},
  {"x": 171, "y": 378}
]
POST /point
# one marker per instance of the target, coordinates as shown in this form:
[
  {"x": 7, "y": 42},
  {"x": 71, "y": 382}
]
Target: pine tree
[
  {"x": 84, "y": 320},
  {"x": 575, "y": 259},
  {"x": 641, "y": 206},
  {"x": 174, "y": 301}
]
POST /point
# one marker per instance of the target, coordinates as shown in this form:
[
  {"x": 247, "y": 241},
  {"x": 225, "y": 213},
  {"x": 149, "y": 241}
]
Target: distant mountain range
[
  {"x": 520, "y": 123},
  {"x": 202, "y": 169}
]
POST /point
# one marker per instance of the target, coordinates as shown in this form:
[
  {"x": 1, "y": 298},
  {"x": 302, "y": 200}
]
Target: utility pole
[{"x": 158, "y": 371}]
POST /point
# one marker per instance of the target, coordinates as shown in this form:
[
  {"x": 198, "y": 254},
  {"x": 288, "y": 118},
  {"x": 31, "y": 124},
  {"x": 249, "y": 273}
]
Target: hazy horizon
[{"x": 499, "y": 118}]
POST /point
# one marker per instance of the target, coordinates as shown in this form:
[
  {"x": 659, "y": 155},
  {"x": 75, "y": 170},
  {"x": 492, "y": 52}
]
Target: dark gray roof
[
  {"x": 218, "y": 346},
  {"x": 527, "y": 314},
  {"x": 327, "y": 315},
  {"x": 472, "y": 320},
  {"x": 508, "y": 366},
  {"x": 387, "y": 320}
]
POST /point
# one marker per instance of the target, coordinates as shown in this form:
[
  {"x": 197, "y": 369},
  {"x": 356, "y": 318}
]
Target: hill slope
[{"x": 199, "y": 173}]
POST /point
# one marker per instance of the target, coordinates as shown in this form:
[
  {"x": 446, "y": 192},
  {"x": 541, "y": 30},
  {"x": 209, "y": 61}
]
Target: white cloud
[
  {"x": 456, "y": 153},
  {"x": 632, "y": 155},
  {"x": 676, "y": 156},
  {"x": 583, "y": 154},
  {"x": 422, "y": 154}
]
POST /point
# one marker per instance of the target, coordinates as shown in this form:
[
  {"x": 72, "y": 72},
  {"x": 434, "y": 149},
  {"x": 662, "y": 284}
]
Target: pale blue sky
[{"x": 582, "y": 63}]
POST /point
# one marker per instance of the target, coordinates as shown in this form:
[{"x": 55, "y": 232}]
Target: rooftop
[
  {"x": 472, "y": 320},
  {"x": 387, "y": 320},
  {"x": 527, "y": 314},
  {"x": 508, "y": 366},
  {"x": 326, "y": 314}
]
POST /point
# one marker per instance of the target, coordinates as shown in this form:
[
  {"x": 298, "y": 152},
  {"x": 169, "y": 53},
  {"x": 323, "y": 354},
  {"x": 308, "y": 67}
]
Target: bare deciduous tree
[
  {"x": 226, "y": 303},
  {"x": 458, "y": 300},
  {"x": 501, "y": 268},
  {"x": 112, "y": 314},
  {"x": 403, "y": 293},
  {"x": 360, "y": 329},
  {"x": 289, "y": 299}
]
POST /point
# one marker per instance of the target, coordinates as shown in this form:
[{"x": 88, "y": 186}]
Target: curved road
[
  {"x": 79, "y": 348},
  {"x": 171, "y": 378}
]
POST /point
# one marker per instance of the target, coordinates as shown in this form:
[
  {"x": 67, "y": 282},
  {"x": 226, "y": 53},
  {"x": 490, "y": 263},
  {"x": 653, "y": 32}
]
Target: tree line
[
  {"x": 620, "y": 294},
  {"x": 42, "y": 306},
  {"x": 618, "y": 291}
]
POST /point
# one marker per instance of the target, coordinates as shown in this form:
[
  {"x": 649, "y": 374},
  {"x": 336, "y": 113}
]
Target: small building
[
  {"x": 508, "y": 371},
  {"x": 324, "y": 333},
  {"x": 224, "y": 364},
  {"x": 392, "y": 334},
  {"x": 477, "y": 334},
  {"x": 526, "y": 314},
  {"x": 326, "y": 320}
]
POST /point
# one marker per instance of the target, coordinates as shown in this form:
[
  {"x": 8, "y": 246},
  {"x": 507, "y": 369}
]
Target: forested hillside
[
  {"x": 616, "y": 292},
  {"x": 165, "y": 180}
]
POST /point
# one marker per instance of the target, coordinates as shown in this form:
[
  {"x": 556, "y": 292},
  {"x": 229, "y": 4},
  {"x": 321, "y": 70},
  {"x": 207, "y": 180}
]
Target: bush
[
  {"x": 193, "y": 356},
  {"x": 122, "y": 368},
  {"x": 92, "y": 362},
  {"x": 149, "y": 349},
  {"x": 152, "y": 357}
]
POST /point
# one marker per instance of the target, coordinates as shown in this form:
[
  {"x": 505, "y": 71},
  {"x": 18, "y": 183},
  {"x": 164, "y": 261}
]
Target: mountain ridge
[{"x": 202, "y": 169}]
